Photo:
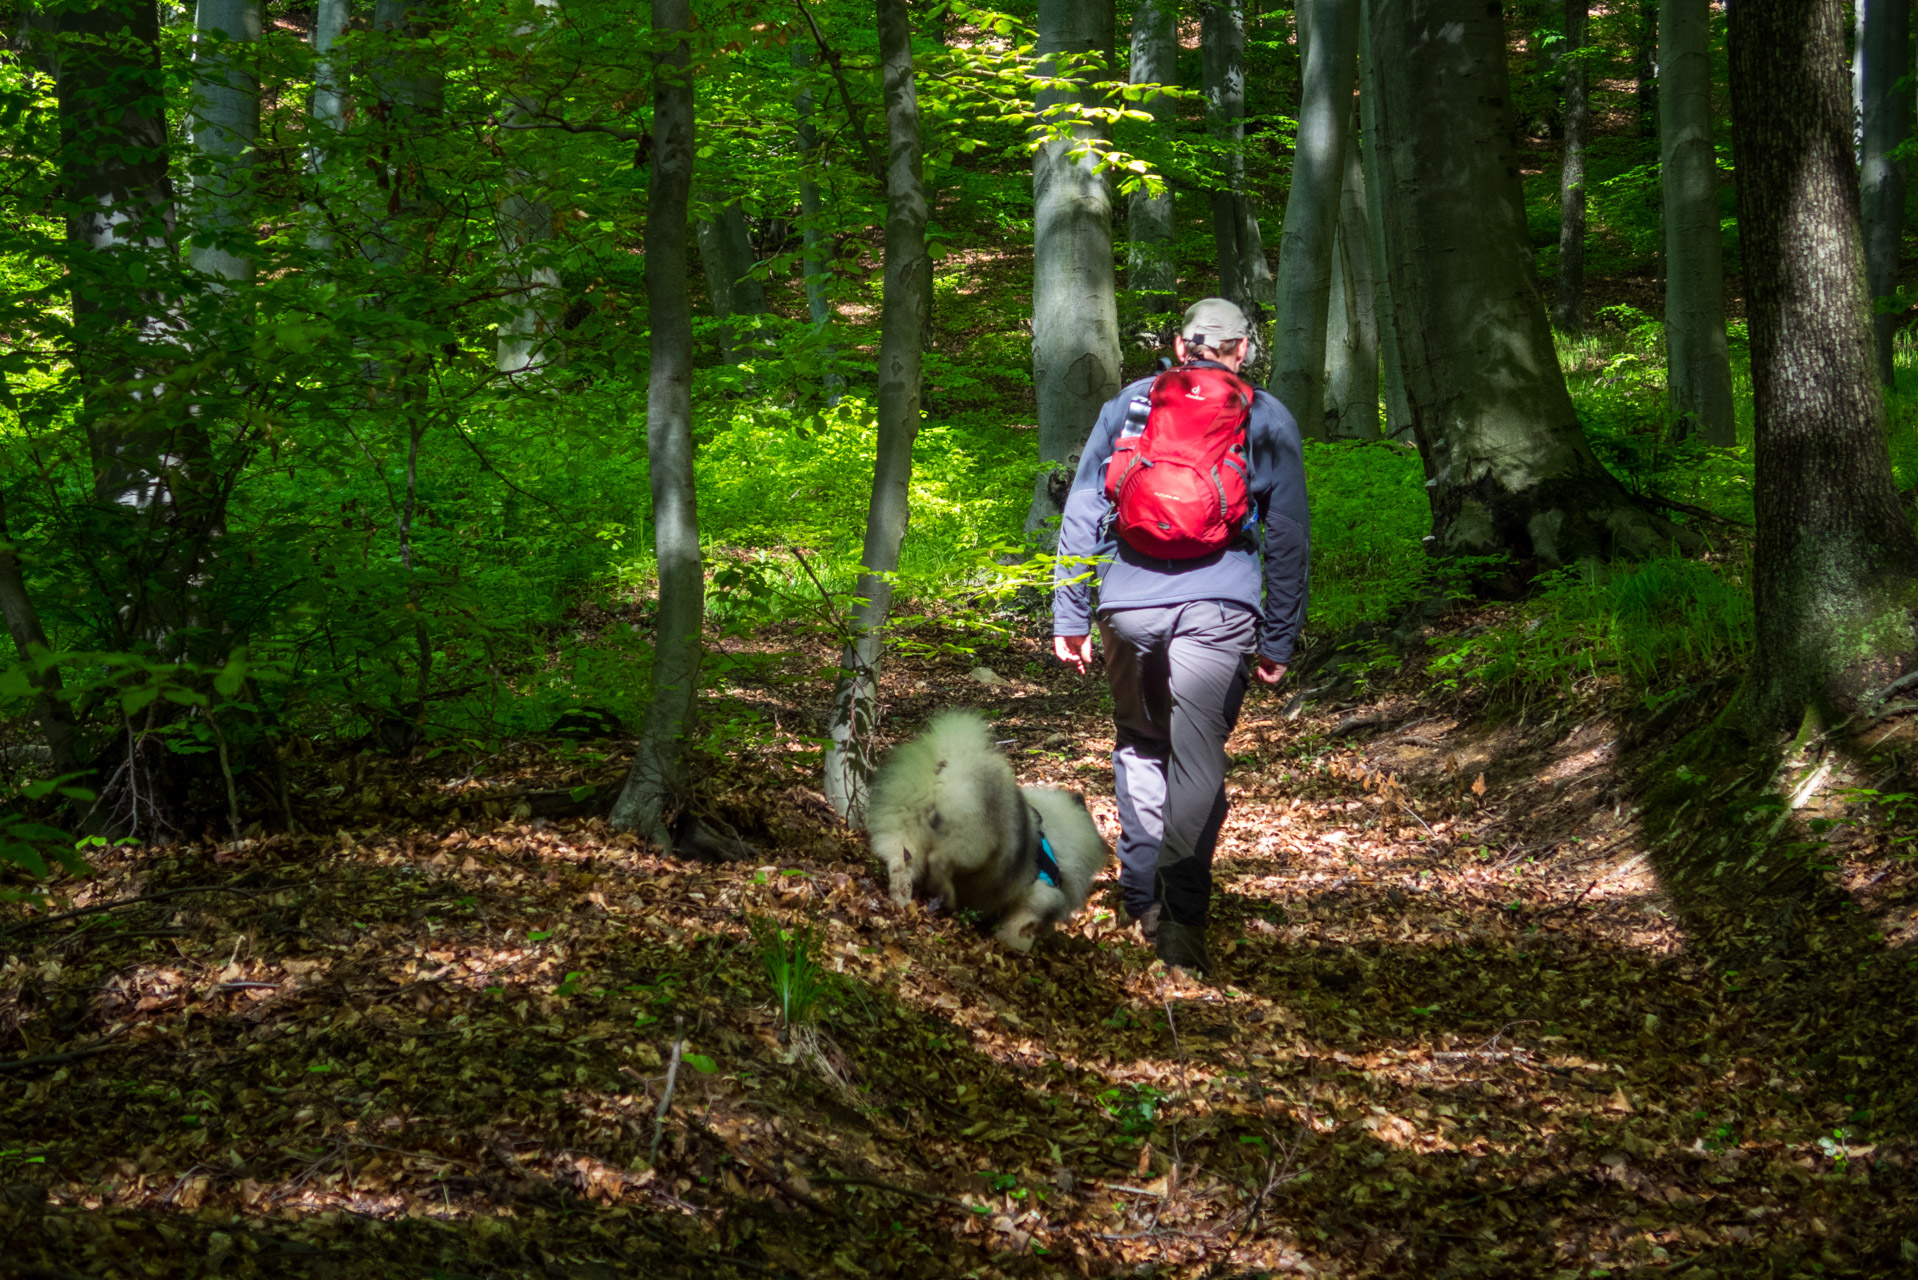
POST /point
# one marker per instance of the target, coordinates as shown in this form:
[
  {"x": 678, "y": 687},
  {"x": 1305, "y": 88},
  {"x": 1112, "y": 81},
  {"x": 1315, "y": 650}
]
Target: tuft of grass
[{"x": 791, "y": 960}]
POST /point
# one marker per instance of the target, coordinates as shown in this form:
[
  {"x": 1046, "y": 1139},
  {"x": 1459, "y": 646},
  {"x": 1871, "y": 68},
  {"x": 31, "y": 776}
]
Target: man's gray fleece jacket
[{"x": 1128, "y": 580}]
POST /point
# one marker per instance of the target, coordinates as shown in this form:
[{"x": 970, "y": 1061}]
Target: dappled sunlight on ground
[{"x": 1457, "y": 1030}]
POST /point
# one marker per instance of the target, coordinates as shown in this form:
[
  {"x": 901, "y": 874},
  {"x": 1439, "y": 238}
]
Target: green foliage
[
  {"x": 790, "y": 958},
  {"x": 1368, "y": 515},
  {"x": 1657, "y": 626},
  {"x": 34, "y": 847}
]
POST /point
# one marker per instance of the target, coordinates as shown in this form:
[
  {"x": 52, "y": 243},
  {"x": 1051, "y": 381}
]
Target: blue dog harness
[{"x": 1048, "y": 863}]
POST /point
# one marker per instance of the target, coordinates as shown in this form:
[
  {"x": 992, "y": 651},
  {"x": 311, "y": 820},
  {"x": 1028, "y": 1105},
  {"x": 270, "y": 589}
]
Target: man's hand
[
  {"x": 1270, "y": 672},
  {"x": 1074, "y": 651}
]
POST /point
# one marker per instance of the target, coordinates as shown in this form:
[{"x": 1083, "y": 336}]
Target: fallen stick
[
  {"x": 672, "y": 1079},
  {"x": 112, "y": 1041},
  {"x": 97, "y": 908}
]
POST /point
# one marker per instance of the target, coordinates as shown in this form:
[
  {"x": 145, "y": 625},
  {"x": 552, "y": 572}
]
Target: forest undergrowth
[{"x": 1459, "y": 1029}]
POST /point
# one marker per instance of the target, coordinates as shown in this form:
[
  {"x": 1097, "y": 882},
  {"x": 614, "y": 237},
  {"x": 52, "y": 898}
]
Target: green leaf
[
  {"x": 231, "y": 676},
  {"x": 40, "y": 832},
  {"x": 25, "y": 855},
  {"x": 700, "y": 1063}
]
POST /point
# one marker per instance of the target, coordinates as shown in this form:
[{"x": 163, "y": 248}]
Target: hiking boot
[
  {"x": 1148, "y": 922},
  {"x": 1182, "y": 946}
]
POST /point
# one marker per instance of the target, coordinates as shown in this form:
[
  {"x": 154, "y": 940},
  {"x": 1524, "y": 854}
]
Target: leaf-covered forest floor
[{"x": 1458, "y": 1027}]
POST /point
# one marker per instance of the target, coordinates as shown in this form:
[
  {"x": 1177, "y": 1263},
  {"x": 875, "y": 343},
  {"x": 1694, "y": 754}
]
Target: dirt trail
[{"x": 1457, "y": 1031}]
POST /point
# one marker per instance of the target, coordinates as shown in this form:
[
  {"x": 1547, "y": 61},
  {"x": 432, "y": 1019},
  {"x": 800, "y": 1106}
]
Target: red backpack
[{"x": 1177, "y": 478}]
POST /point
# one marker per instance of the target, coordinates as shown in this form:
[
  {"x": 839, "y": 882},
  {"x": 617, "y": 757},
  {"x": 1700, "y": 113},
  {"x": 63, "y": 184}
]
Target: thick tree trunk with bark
[
  {"x": 1570, "y": 285},
  {"x": 1884, "y": 62},
  {"x": 226, "y": 123},
  {"x": 1075, "y": 315},
  {"x": 1835, "y": 571},
  {"x": 656, "y": 782},
  {"x": 1352, "y": 333},
  {"x": 1508, "y": 466},
  {"x": 902, "y": 323},
  {"x": 1699, "y": 362},
  {"x": 1329, "y": 31},
  {"x": 1150, "y": 268},
  {"x": 1244, "y": 276}
]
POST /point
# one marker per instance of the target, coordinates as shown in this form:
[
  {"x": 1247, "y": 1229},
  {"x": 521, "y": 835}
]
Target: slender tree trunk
[
  {"x": 1699, "y": 362},
  {"x": 1567, "y": 305},
  {"x": 726, "y": 252},
  {"x": 1835, "y": 569},
  {"x": 1330, "y": 30},
  {"x": 1352, "y": 334},
  {"x": 901, "y": 328},
  {"x": 1508, "y": 466},
  {"x": 1398, "y": 412},
  {"x": 656, "y": 782},
  {"x": 226, "y": 123},
  {"x": 1150, "y": 267},
  {"x": 526, "y": 342},
  {"x": 1886, "y": 61},
  {"x": 1075, "y": 314},
  {"x": 327, "y": 113},
  {"x": 409, "y": 87},
  {"x": 23, "y": 624},
  {"x": 815, "y": 254},
  {"x": 148, "y": 448},
  {"x": 1244, "y": 276},
  {"x": 1645, "y": 69}
]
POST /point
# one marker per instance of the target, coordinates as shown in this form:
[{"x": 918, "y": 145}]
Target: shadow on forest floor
[{"x": 1460, "y": 1030}]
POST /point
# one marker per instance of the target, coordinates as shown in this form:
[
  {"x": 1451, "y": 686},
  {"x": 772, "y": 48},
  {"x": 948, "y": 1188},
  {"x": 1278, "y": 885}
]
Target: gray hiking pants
[{"x": 1178, "y": 676}]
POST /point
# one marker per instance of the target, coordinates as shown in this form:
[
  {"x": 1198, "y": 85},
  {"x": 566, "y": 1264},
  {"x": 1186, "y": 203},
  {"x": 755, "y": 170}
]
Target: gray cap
[{"x": 1211, "y": 321}]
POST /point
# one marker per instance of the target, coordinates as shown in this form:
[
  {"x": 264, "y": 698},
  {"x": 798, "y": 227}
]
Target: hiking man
[{"x": 1190, "y": 497}]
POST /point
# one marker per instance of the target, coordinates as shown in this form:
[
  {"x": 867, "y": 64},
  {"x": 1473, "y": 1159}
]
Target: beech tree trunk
[
  {"x": 148, "y": 449},
  {"x": 815, "y": 265},
  {"x": 1884, "y": 62},
  {"x": 1329, "y": 32},
  {"x": 527, "y": 341},
  {"x": 327, "y": 114},
  {"x": 1835, "y": 569},
  {"x": 1150, "y": 267},
  {"x": 1352, "y": 334},
  {"x": 1244, "y": 276},
  {"x": 1398, "y": 412},
  {"x": 1645, "y": 69},
  {"x": 1699, "y": 371},
  {"x": 1075, "y": 314},
  {"x": 655, "y": 783},
  {"x": 1570, "y": 285},
  {"x": 1508, "y": 467},
  {"x": 225, "y": 122},
  {"x": 902, "y": 324},
  {"x": 726, "y": 252}
]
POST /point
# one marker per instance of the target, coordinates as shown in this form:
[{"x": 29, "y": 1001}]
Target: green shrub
[{"x": 1655, "y": 625}]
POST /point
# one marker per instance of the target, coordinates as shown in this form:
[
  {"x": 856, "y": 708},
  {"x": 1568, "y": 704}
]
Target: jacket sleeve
[
  {"x": 1279, "y": 467},
  {"x": 1079, "y": 528}
]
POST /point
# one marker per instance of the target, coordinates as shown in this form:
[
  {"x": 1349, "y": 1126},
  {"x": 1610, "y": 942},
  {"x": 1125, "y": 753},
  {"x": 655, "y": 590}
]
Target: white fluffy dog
[{"x": 950, "y": 821}]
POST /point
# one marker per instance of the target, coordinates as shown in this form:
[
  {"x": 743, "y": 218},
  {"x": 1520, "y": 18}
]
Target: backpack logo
[{"x": 1177, "y": 478}]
